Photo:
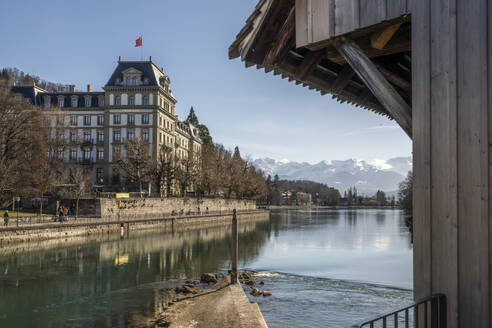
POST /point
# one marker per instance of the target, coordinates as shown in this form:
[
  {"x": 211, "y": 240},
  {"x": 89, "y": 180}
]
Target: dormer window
[
  {"x": 128, "y": 80},
  {"x": 134, "y": 81},
  {"x": 47, "y": 101},
  {"x": 61, "y": 101},
  {"x": 117, "y": 100},
  {"x": 74, "y": 102},
  {"x": 87, "y": 101}
]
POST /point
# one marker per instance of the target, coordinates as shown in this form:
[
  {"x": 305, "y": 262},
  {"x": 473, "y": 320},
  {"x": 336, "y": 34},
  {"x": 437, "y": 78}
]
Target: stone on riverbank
[
  {"x": 255, "y": 291},
  {"x": 208, "y": 278}
]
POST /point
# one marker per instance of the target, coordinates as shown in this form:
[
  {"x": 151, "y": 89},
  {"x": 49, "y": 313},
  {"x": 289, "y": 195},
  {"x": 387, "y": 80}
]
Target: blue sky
[{"x": 78, "y": 42}]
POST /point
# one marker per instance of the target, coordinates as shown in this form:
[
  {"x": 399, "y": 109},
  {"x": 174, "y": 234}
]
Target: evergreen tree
[
  {"x": 204, "y": 132},
  {"x": 192, "y": 117},
  {"x": 237, "y": 154},
  {"x": 405, "y": 193}
]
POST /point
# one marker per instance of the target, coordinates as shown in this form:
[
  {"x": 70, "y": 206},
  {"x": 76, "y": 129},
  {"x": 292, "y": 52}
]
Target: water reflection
[
  {"x": 342, "y": 265},
  {"x": 362, "y": 245},
  {"x": 74, "y": 284}
]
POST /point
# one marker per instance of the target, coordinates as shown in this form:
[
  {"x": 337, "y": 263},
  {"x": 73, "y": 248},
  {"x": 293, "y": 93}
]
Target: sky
[{"x": 78, "y": 42}]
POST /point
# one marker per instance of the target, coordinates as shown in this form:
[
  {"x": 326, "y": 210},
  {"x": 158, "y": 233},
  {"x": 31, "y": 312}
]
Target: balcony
[
  {"x": 87, "y": 142},
  {"x": 85, "y": 161}
]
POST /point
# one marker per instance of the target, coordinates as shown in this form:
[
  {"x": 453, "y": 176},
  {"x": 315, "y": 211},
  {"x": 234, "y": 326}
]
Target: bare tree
[
  {"x": 45, "y": 159},
  {"x": 163, "y": 168},
  {"x": 137, "y": 162},
  {"x": 187, "y": 172},
  {"x": 80, "y": 183},
  {"x": 18, "y": 122}
]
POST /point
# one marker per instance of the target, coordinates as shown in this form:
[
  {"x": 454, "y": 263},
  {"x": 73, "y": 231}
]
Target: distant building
[{"x": 136, "y": 102}]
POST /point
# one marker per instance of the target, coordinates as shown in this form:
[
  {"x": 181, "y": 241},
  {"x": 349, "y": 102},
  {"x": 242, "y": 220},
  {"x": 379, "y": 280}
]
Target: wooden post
[
  {"x": 376, "y": 82},
  {"x": 235, "y": 247}
]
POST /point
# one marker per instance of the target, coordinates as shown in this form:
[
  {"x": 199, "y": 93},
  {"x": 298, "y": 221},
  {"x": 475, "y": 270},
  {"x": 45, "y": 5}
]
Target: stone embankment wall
[
  {"x": 70, "y": 230},
  {"x": 159, "y": 207}
]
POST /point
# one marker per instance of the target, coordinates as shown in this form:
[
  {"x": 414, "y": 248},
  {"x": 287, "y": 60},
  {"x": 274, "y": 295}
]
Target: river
[{"x": 326, "y": 268}]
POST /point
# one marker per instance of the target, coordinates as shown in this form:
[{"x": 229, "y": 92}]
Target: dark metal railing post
[
  {"x": 443, "y": 314},
  {"x": 435, "y": 319},
  {"x": 235, "y": 246}
]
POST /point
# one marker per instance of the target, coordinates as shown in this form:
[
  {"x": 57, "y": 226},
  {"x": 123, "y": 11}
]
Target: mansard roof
[
  {"x": 148, "y": 69},
  {"x": 95, "y": 96}
]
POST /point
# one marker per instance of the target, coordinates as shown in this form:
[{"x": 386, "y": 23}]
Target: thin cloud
[{"x": 371, "y": 129}]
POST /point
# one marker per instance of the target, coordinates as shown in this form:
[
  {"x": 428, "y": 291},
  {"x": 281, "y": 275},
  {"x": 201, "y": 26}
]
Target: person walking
[{"x": 6, "y": 218}]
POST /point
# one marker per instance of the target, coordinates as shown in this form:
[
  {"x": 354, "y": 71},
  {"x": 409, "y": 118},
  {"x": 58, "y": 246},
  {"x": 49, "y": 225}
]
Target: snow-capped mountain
[{"x": 366, "y": 177}]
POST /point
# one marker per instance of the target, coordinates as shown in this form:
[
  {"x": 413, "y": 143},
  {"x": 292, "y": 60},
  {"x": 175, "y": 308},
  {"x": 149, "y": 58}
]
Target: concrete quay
[{"x": 225, "y": 306}]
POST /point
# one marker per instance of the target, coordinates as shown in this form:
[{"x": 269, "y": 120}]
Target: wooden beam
[
  {"x": 394, "y": 48},
  {"x": 380, "y": 39},
  {"x": 343, "y": 79},
  {"x": 400, "y": 43},
  {"x": 394, "y": 78},
  {"x": 375, "y": 81},
  {"x": 311, "y": 60},
  {"x": 282, "y": 45}
]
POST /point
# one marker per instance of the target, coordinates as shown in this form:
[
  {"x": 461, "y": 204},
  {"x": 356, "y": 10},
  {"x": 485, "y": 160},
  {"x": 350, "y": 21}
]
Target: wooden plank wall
[
  {"x": 452, "y": 127},
  {"x": 319, "y": 20}
]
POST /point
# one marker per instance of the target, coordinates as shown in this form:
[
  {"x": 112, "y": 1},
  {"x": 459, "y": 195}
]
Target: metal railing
[{"x": 427, "y": 312}]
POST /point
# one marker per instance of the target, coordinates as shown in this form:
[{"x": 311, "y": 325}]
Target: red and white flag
[{"x": 138, "y": 42}]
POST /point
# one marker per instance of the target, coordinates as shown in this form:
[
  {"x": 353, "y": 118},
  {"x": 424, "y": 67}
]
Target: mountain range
[{"x": 342, "y": 174}]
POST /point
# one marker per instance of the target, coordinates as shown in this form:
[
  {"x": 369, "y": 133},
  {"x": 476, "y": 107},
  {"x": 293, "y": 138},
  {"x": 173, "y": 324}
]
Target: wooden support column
[
  {"x": 235, "y": 248},
  {"x": 375, "y": 81}
]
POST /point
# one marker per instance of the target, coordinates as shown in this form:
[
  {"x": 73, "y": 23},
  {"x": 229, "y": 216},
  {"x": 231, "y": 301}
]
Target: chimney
[
  {"x": 150, "y": 58},
  {"x": 89, "y": 88},
  {"x": 119, "y": 59},
  {"x": 71, "y": 88}
]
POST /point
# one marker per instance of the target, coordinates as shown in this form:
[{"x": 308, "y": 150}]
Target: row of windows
[
  {"x": 168, "y": 140},
  {"x": 75, "y": 101},
  {"x": 130, "y": 119},
  {"x": 87, "y": 119},
  {"x": 130, "y": 135},
  {"x": 131, "y": 100},
  {"x": 87, "y": 136},
  {"x": 87, "y": 154},
  {"x": 168, "y": 125}
]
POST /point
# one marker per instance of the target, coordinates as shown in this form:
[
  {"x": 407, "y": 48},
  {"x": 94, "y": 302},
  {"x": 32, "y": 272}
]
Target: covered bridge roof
[{"x": 268, "y": 41}]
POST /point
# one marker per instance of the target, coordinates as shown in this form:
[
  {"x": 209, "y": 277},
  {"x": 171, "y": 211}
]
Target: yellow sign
[
  {"x": 121, "y": 259},
  {"x": 122, "y": 195}
]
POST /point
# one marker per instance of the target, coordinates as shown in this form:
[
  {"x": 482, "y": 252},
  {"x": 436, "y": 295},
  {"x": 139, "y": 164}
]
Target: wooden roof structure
[{"x": 268, "y": 41}]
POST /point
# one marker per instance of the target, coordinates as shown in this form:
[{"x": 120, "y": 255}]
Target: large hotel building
[{"x": 136, "y": 102}]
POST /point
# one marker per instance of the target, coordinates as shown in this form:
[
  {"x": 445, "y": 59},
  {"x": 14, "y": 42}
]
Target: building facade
[{"x": 136, "y": 102}]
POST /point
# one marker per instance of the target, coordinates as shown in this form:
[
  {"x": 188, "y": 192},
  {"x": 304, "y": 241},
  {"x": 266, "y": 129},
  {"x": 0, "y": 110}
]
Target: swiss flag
[{"x": 138, "y": 42}]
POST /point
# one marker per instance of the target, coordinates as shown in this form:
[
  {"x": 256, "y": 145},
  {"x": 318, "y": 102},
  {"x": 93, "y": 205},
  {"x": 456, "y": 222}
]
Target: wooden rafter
[
  {"x": 282, "y": 45},
  {"x": 380, "y": 39},
  {"x": 394, "y": 78},
  {"x": 311, "y": 60},
  {"x": 343, "y": 79}
]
